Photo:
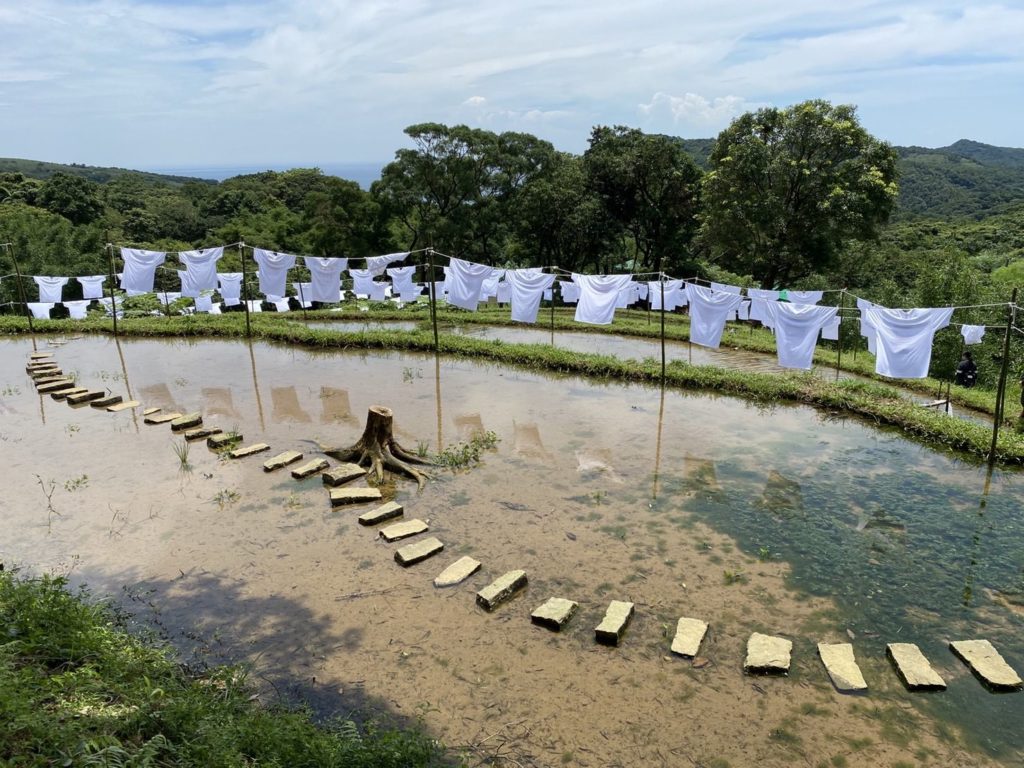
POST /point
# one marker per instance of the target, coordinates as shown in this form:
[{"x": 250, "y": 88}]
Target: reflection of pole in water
[
  {"x": 968, "y": 592},
  {"x": 256, "y": 386},
  {"x": 127, "y": 383},
  {"x": 657, "y": 443},
  {"x": 42, "y": 406},
  {"x": 437, "y": 398}
]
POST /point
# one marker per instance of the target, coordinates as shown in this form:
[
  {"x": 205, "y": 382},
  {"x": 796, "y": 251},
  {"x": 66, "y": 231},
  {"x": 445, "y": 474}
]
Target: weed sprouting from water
[
  {"x": 76, "y": 483},
  {"x": 422, "y": 448},
  {"x": 225, "y": 497},
  {"x": 181, "y": 450},
  {"x": 734, "y": 577},
  {"x": 463, "y": 455},
  {"x": 48, "y": 487},
  {"x": 764, "y": 554}
]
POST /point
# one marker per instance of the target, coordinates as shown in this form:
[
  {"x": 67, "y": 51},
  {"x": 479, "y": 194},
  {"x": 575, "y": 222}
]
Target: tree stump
[{"x": 378, "y": 449}]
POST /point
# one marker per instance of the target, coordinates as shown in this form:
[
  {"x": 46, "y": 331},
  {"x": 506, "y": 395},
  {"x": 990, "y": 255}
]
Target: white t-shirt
[
  {"x": 598, "y": 296},
  {"x": 273, "y": 270},
  {"x": 796, "y": 331},
  {"x": 527, "y": 287},
  {"x": 92, "y": 287},
  {"x": 140, "y": 269},
  {"x": 465, "y": 283},
  {"x": 904, "y": 339},
  {"x": 200, "y": 270},
  {"x": 230, "y": 286},
  {"x": 708, "y": 313},
  {"x": 51, "y": 289},
  {"x": 325, "y": 276}
]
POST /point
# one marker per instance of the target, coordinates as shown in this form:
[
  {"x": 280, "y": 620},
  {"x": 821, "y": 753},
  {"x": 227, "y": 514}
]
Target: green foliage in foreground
[
  {"x": 77, "y": 690},
  {"x": 877, "y": 403},
  {"x": 465, "y": 454}
]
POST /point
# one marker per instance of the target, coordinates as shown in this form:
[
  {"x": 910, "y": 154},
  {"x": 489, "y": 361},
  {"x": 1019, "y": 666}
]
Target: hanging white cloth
[
  {"x": 972, "y": 334},
  {"x": 830, "y": 331},
  {"x": 229, "y": 284},
  {"x": 106, "y": 302},
  {"x": 200, "y": 270},
  {"x": 273, "y": 270},
  {"x": 282, "y": 305},
  {"x": 904, "y": 338},
  {"x": 325, "y": 276},
  {"x": 804, "y": 297},
  {"x": 527, "y": 289},
  {"x": 489, "y": 287},
  {"x": 51, "y": 289},
  {"x": 92, "y": 287},
  {"x": 401, "y": 277},
  {"x": 743, "y": 313},
  {"x": 411, "y": 292},
  {"x": 724, "y": 287},
  {"x": 465, "y": 283},
  {"x": 304, "y": 290},
  {"x": 797, "y": 327},
  {"x": 708, "y": 311},
  {"x": 673, "y": 290},
  {"x": 255, "y": 306},
  {"x": 759, "y": 299},
  {"x": 866, "y": 329},
  {"x": 363, "y": 284},
  {"x": 78, "y": 309},
  {"x": 215, "y": 309},
  {"x": 40, "y": 310},
  {"x": 570, "y": 291},
  {"x": 375, "y": 265},
  {"x": 504, "y": 291},
  {"x": 204, "y": 303},
  {"x": 140, "y": 269},
  {"x": 597, "y": 297},
  {"x": 643, "y": 291}
]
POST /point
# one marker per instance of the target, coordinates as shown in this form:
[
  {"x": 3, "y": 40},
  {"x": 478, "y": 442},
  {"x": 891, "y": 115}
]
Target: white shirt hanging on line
[
  {"x": 465, "y": 283},
  {"x": 51, "y": 289},
  {"x": 725, "y": 288},
  {"x": 759, "y": 299},
  {"x": 376, "y": 265},
  {"x": 804, "y": 297},
  {"x": 204, "y": 303},
  {"x": 363, "y": 284},
  {"x": 708, "y": 312},
  {"x": 303, "y": 291},
  {"x": 40, "y": 310},
  {"x": 673, "y": 289},
  {"x": 796, "y": 331},
  {"x": 78, "y": 309},
  {"x": 598, "y": 295},
  {"x": 325, "y": 276},
  {"x": 570, "y": 291},
  {"x": 200, "y": 270},
  {"x": 866, "y": 329},
  {"x": 904, "y": 339},
  {"x": 92, "y": 287},
  {"x": 972, "y": 334},
  {"x": 229, "y": 284},
  {"x": 527, "y": 289},
  {"x": 504, "y": 291},
  {"x": 830, "y": 331},
  {"x": 401, "y": 278},
  {"x": 743, "y": 313},
  {"x": 490, "y": 285},
  {"x": 273, "y": 270},
  {"x": 140, "y": 269}
]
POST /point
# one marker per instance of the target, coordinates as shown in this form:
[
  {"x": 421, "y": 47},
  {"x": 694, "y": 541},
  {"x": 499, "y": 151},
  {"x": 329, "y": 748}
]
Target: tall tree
[
  {"x": 651, "y": 186},
  {"x": 788, "y": 186},
  {"x": 74, "y": 198}
]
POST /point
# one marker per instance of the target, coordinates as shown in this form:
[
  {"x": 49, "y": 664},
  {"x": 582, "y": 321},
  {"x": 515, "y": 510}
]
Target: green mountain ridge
[{"x": 967, "y": 179}]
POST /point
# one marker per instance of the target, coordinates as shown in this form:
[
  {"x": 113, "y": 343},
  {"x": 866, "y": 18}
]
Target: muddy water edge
[{"x": 755, "y": 519}]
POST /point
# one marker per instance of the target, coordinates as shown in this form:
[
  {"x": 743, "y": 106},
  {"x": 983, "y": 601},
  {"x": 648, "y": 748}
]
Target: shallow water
[{"x": 599, "y": 491}]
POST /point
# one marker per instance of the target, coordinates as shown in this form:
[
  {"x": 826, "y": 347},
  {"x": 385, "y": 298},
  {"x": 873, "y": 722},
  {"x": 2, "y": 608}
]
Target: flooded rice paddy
[{"x": 777, "y": 520}]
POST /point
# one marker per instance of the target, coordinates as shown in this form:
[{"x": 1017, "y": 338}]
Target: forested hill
[{"x": 37, "y": 169}]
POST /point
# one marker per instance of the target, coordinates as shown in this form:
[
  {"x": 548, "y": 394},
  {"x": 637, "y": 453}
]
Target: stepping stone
[
  {"x": 614, "y": 623},
  {"x": 913, "y": 668},
  {"x": 49, "y": 373},
  {"x": 767, "y": 655},
  {"x": 414, "y": 553},
  {"x": 501, "y": 589},
  {"x": 341, "y": 496},
  {"x": 249, "y": 450},
  {"x": 55, "y": 386},
  {"x": 62, "y": 394},
  {"x": 187, "y": 422},
  {"x": 986, "y": 662},
  {"x": 842, "y": 666},
  {"x": 689, "y": 635},
  {"x": 36, "y": 367},
  {"x": 40, "y": 355},
  {"x": 402, "y": 530},
  {"x": 106, "y": 402},
  {"x": 310, "y": 468},
  {"x": 150, "y": 411},
  {"x": 85, "y": 397},
  {"x": 161, "y": 418},
  {"x": 457, "y": 572},
  {"x": 384, "y": 512},
  {"x": 225, "y": 440},
  {"x": 281, "y": 460},
  {"x": 555, "y": 613},
  {"x": 124, "y": 406},
  {"x": 200, "y": 433},
  {"x": 342, "y": 474},
  {"x": 51, "y": 379}
]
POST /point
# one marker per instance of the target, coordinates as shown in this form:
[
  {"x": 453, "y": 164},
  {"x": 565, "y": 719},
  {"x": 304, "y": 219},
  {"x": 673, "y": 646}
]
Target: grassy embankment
[
  {"x": 77, "y": 689},
  {"x": 875, "y": 402}
]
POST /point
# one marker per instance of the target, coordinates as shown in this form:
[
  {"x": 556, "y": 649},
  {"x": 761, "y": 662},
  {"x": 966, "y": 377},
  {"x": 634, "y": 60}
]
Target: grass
[
  {"x": 872, "y": 401},
  {"x": 77, "y": 689},
  {"x": 462, "y": 455}
]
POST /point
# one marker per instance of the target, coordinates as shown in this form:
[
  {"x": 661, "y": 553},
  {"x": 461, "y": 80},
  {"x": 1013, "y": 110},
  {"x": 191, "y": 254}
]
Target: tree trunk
[{"x": 378, "y": 449}]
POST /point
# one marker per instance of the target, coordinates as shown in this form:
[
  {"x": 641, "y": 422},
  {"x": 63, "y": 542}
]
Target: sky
[{"x": 179, "y": 83}]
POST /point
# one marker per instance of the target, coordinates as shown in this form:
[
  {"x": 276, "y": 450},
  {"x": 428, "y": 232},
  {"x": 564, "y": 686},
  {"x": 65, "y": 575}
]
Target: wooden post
[
  {"x": 552, "y": 314},
  {"x": 839, "y": 336},
  {"x": 433, "y": 298},
  {"x": 245, "y": 295},
  {"x": 1001, "y": 390},
  {"x": 661, "y": 283},
  {"x": 113, "y": 273},
  {"x": 21, "y": 289}
]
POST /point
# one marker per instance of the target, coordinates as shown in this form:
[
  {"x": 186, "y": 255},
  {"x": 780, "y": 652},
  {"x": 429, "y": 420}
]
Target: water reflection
[
  {"x": 159, "y": 395},
  {"x": 219, "y": 401},
  {"x": 526, "y": 441},
  {"x": 781, "y": 495},
  {"x": 335, "y": 406},
  {"x": 468, "y": 425},
  {"x": 286, "y": 407}
]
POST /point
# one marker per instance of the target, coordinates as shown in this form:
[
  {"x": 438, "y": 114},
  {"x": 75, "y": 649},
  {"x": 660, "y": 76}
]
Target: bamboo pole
[
  {"x": 1001, "y": 390},
  {"x": 661, "y": 283},
  {"x": 21, "y": 288},
  {"x": 113, "y": 299},
  {"x": 433, "y": 299},
  {"x": 552, "y": 314},
  {"x": 244, "y": 291},
  {"x": 839, "y": 336}
]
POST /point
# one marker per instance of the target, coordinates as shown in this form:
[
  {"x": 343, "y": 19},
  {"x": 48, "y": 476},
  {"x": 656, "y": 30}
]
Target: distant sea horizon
[{"x": 363, "y": 173}]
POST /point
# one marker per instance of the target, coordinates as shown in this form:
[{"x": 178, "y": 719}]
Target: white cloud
[{"x": 692, "y": 109}]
